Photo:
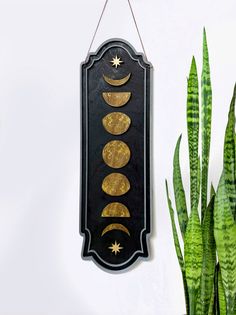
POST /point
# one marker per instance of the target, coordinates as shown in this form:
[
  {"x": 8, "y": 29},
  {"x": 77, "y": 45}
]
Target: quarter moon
[
  {"x": 116, "y": 99},
  {"x": 115, "y": 226},
  {"x": 115, "y": 209},
  {"x": 117, "y": 82},
  {"x": 115, "y": 184},
  {"x": 116, "y": 123},
  {"x": 116, "y": 154}
]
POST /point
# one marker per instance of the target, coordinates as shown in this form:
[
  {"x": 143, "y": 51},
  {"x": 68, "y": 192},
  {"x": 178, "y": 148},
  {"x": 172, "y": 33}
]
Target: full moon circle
[{"x": 116, "y": 154}]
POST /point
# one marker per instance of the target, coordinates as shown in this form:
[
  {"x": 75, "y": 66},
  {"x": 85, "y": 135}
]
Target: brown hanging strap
[{"x": 135, "y": 22}]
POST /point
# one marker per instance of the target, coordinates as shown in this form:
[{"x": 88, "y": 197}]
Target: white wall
[{"x": 42, "y": 43}]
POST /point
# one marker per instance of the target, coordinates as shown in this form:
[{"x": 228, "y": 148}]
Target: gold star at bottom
[{"x": 115, "y": 248}]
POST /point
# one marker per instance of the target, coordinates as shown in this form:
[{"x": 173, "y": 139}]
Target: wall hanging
[{"x": 115, "y": 184}]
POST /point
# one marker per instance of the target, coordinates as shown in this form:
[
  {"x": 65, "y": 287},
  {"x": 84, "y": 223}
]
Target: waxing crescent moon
[
  {"x": 115, "y": 226},
  {"x": 115, "y": 209},
  {"x": 117, "y": 82},
  {"x": 116, "y": 99}
]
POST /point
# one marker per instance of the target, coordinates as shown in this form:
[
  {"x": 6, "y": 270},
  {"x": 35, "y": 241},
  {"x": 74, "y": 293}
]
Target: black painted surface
[{"x": 94, "y": 170}]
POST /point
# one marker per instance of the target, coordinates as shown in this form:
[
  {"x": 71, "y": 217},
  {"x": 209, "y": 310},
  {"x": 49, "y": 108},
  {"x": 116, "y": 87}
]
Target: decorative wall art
[
  {"x": 115, "y": 183},
  {"x": 115, "y": 187}
]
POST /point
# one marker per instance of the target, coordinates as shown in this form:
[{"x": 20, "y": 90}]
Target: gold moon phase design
[
  {"x": 116, "y": 99},
  {"x": 116, "y": 123},
  {"x": 115, "y": 226},
  {"x": 117, "y": 82},
  {"x": 116, "y": 154},
  {"x": 115, "y": 184},
  {"x": 116, "y": 209}
]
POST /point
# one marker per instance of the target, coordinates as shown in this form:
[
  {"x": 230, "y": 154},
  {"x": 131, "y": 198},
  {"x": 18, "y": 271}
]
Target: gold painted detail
[
  {"x": 116, "y": 99},
  {"x": 115, "y": 184},
  {"x": 116, "y": 123},
  {"x": 117, "y": 82},
  {"x": 115, "y": 248},
  {"x": 116, "y": 209},
  {"x": 115, "y": 226},
  {"x": 116, "y": 154},
  {"x": 116, "y": 62}
]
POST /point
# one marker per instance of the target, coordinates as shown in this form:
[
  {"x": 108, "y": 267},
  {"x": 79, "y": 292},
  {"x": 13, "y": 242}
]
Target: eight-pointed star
[
  {"x": 115, "y": 248},
  {"x": 116, "y": 61}
]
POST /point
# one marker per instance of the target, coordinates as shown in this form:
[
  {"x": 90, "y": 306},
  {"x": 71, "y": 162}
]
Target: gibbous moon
[
  {"x": 116, "y": 154},
  {"x": 117, "y": 82},
  {"x": 116, "y": 99},
  {"x": 115, "y": 184},
  {"x": 115, "y": 209},
  {"x": 116, "y": 123},
  {"x": 115, "y": 226}
]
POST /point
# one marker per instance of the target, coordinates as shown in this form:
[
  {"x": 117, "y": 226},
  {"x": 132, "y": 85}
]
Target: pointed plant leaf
[
  {"x": 198, "y": 310},
  {"x": 221, "y": 295},
  {"x": 193, "y": 131},
  {"x": 199, "y": 179},
  {"x": 185, "y": 292},
  {"x": 229, "y": 156},
  {"x": 225, "y": 237},
  {"x": 193, "y": 252},
  {"x": 180, "y": 199},
  {"x": 209, "y": 258},
  {"x": 174, "y": 231},
  {"x": 178, "y": 248},
  {"x": 206, "y": 110},
  {"x": 211, "y": 309}
]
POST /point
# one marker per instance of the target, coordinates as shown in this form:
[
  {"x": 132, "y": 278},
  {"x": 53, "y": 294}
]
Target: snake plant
[
  {"x": 208, "y": 264},
  {"x": 224, "y": 217}
]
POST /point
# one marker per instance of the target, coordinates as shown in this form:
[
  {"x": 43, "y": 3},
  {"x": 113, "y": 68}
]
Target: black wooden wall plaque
[{"x": 115, "y": 184}]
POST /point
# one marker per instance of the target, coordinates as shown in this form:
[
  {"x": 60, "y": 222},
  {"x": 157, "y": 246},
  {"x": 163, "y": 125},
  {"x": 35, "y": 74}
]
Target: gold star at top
[
  {"x": 115, "y": 248},
  {"x": 116, "y": 61}
]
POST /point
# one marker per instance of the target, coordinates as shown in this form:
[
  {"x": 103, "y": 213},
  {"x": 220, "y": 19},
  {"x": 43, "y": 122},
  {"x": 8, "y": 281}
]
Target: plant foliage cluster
[{"x": 208, "y": 228}]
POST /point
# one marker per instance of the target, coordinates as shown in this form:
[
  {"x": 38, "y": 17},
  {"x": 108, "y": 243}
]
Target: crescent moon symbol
[
  {"x": 115, "y": 226},
  {"x": 116, "y": 99},
  {"x": 117, "y": 82}
]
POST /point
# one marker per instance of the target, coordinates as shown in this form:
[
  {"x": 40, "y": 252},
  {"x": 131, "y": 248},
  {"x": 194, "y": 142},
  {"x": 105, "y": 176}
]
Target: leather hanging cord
[{"x": 135, "y": 22}]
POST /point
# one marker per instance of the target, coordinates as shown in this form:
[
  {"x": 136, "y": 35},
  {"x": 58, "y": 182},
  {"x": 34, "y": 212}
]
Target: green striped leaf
[
  {"x": 198, "y": 310},
  {"x": 211, "y": 310},
  {"x": 186, "y": 292},
  {"x": 193, "y": 131},
  {"x": 209, "y": 258},
  {"x": 193, "y": 252},
  {"x": 214, "y": 300},
  {"x": 214, "y": 303},
  {"x": 178, "y": 248},
  {"x": 229, "y": 156},
  {"x": 199, "y": 179},
  {"x": 180, "y": 199},
  {"x": 174, "y": 231},
  {"x": 206, "y": 109},
  {"x": 225, "y": 237},
  {"x": 221, "y": 295}
]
